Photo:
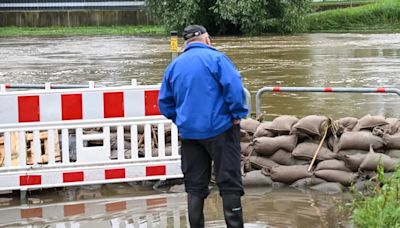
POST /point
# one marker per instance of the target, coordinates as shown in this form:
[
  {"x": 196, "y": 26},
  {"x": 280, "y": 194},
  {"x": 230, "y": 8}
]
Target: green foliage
[
  {"x": 382, "y": 209},
  {"x": 385, "y": 13},
  {"x": 233, "y": 16}
]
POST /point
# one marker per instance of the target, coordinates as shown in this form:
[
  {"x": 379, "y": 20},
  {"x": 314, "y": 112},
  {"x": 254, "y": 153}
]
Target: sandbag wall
[{"x": 281, "y": 151}]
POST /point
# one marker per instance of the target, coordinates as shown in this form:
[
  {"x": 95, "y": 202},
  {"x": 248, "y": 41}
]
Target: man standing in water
[{"x": 203, "y": 95}]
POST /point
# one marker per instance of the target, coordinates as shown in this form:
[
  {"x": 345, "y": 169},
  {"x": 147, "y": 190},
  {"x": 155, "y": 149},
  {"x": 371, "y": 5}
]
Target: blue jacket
[{"x": 202, "y": 92}]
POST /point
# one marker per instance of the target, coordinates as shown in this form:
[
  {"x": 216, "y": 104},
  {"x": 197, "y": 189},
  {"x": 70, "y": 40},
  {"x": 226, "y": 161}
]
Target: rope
[{"x": 326, "y": 128}]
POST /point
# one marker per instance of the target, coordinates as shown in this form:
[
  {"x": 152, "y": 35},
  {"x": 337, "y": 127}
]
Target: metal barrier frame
[{"x": 321, "y": 89}]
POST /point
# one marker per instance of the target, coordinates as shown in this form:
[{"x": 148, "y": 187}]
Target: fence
[{"x": 70, "y": 4}]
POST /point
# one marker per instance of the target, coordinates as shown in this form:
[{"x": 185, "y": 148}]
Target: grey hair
[{"x": 202, "y": 37}]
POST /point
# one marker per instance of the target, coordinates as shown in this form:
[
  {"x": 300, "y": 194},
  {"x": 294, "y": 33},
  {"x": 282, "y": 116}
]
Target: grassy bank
[
  {"x": 383, "y": 16},
  {"x": 382, "y": 208},
  {"x": 82, "y": 31}
]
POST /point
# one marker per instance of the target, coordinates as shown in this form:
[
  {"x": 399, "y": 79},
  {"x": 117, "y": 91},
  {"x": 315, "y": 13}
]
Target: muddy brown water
[{"x": 321, "y": 60}]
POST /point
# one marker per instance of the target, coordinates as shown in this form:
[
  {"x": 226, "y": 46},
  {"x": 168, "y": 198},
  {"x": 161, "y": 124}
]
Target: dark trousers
[{"x": 197, "y": 157}]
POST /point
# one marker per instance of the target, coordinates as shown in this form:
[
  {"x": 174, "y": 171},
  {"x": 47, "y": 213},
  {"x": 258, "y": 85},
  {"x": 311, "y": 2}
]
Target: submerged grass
[
  {"x": 382, "y": 208},
  {"x": 381, "y": 16},
  {"x": 83, "y": 31}
]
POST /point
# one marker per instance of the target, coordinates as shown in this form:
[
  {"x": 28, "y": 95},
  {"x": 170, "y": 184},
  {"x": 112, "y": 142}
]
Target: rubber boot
[
  {"x": 195, "y": 208},
  {"x": 232, "y": 210}
]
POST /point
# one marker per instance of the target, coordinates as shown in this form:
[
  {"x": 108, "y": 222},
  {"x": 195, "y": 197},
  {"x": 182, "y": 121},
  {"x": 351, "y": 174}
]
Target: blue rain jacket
[{"x": 202, "y": 92}]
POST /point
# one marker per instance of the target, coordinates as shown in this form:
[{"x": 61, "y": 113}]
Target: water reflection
[{"x": 134, "y": 206}]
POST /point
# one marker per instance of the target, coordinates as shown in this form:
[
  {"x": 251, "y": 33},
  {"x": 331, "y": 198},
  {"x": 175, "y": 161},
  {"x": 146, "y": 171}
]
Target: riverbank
[
  {"x": 83, "y": 31},
  {"x": 379, "y": 17}
]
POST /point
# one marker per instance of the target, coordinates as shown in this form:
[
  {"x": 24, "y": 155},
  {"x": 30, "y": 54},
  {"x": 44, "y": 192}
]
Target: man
[{"x": 203, "y": 95}]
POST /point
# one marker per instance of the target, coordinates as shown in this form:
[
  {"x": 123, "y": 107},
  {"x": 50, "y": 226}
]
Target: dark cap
[{"x": 193, "y": 31}]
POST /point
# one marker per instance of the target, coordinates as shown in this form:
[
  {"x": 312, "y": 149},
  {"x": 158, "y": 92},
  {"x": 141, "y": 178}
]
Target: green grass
[
  {"x": 382, "y": 208},
  {"x": 83, "y": 31},
  {"x": 382, "y": 16}
]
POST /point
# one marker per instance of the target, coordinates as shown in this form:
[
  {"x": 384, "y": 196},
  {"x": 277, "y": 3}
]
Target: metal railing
[
  {"x": 69, "y": 4},
  {"x": 263, "y": 90}
]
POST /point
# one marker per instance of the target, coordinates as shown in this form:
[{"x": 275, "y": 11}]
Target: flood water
[{"x": 318, "y": 60}]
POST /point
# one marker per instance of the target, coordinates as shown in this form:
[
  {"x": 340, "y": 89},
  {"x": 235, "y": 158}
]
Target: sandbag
[
  {"x": 343, "y": 177},
  {"x": 333, "y": 188},
  {"x": 311, "y": 125},
  {"x": 307, "y": 182},
  {"x": 393, "y": 153},
  {"x": 372, "y": 160},
  {"x": 283, "y": 157},
  {"x": 249, "y": 125},
  {"x": 341, "y": 153},
  {"x": 262, "y": 130},
  {"x": 332, "y": 164},
  {"x": 364, "y": 185},
  {"x": 245, "y": 136},
  {"x": 359, "y": 140},
  {"x": 346, "y": 124},
  {"x": 369, "y": 122},
  {"x": 393, "y": 126},
  {"x": 392, "y": 141},
  {"x": 306, "y": 151},
  {"x": 354, "y": 161},
  {"x": 258, "y": 162},
  {"x": 289, "y": 174},
  {"x": 256, "y": 178},
  {"x": 246, "y": 148},
  {"x": 282, "y": 125},
  {"x": 269, "y": 145}
]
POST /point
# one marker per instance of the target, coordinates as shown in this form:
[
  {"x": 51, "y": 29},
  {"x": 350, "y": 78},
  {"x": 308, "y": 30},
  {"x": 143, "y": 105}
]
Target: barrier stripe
[
  {"x": 71, "y": 106},
  {"x": 74, "y": 209},
  {"x": 276, "y": 89},
  {"x": 32, "y": 213},
  {"x": 114, "y": 173},
  {"x": 30, "y": 180},
  {"x": 52, "y": 110},
  {"x": 156, "y": 202},
  {"x": 117, "y": 206},
  {"x": 113, "y": 104},
  {"x": 328, "y": 89},
  {"x": 380, "y": 90},
  {"x": 92, "y": 105},
  {"x": 28, "y": 109},
  {"x": 155, "y": 170},
  {"x": 73, "y": 177},
  {"x": 151, "y": 102}
]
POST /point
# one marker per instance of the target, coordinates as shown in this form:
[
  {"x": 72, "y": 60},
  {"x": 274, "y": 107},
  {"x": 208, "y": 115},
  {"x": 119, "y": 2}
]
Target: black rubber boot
[
  {"x": 232, "y": 210},
  {"x": 195, "y": 208}
]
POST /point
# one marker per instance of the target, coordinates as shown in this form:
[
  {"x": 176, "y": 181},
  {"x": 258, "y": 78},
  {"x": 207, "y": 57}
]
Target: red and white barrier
[{"x": 57, "y": 112}]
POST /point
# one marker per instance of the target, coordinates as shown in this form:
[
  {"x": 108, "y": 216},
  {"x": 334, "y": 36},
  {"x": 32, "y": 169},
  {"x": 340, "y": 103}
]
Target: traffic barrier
[
  {"x": 320, "y": 89},
  {"x": 148, "y": 211},
  {"x": 68, "y": 113}
]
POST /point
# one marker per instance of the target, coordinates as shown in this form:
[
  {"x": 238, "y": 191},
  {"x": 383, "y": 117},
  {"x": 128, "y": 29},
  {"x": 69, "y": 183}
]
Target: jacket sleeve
[
  {"x": 232, "y": 88},
  {"x": 166, "y": 101}
]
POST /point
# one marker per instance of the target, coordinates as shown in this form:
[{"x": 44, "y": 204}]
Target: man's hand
[{"x": 236, "y": 122}]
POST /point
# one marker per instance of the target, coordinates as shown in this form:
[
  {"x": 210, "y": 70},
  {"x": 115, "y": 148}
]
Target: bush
[{"x": 232, "y": 16}]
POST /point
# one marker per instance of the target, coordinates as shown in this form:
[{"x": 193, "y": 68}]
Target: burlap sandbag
[
  {"x": 364, "y": 185},
  {"x": 246, "y": 148},
  {"x": 394, "y": 125},
  {"x": 312, "y": 125},
  {"x": 256, "y": 178},
  {"x": 359, "y": 140},
  {"x": 393, "y": 153},
  {"x": 306, "y": 151},
  {"x": 289, "y": 174},
  {"x": 392, "y": 141},
  {"x": 269, "y": 145},
  {"x": 262, "y": 130},
  {"x": 307, "y": 182},
  {"x": 369, "y": 122},
  {"x": 343, "y": 177},
  {"x": 283, "y": 157},
  {"x": 332, "y": 164},
  {"x": 282, "y": 125},
  {"x": 249, "y": 125},
  {"x": 346, "y": 124},
  {"x": 258, "y": 162},
  {"x": 354, "y": 161},
  {"x": 245, "y": 136},
  {"x": 372, "y": 160},
  {"x": 341, "y": 153},
  {"x": 333, "y": 188}
]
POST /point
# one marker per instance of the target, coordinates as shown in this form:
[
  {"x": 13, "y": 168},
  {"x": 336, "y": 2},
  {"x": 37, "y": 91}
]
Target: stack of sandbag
[{"x": 343, "y": 150}]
